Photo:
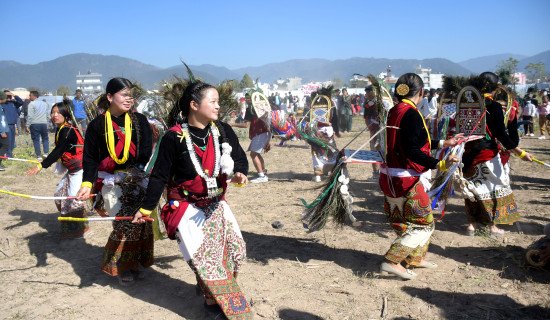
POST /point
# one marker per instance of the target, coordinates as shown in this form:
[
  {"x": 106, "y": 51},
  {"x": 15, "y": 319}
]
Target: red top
[
  {"x": 73, "y": 162},
  {"x": 191, "y": 191},
  {"x": 257, "y": 125},
  {"x": 395, "y": 156}
]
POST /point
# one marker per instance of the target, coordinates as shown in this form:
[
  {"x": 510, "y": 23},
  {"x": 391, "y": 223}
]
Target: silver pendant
[{"x": 212, "y": 186}]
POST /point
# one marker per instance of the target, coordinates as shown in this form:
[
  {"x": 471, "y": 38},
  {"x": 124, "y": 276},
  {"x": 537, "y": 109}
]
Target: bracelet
[
  {"x": 86, "y": 184},
  {"x": 442, "y": 166},
  {"x": 522, "y": 155},
  {"x": 145, "y": 212}
]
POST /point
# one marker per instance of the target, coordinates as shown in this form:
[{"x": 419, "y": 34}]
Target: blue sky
[{"x": 238, "y": 34}]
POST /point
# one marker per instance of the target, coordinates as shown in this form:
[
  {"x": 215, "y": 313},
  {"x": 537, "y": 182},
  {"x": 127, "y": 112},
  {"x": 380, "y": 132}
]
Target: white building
[
  {"x": 294, "y": 83},
  {"x": 89, "y": 83},
  {"x": 431, "y": 80}
]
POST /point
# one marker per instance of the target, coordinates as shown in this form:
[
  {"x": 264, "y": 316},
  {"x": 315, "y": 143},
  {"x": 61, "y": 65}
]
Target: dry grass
[{"x": 332, "y": 274}]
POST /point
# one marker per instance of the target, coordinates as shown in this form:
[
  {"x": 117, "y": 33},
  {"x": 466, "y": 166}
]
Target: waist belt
[{"x": 400, "y": 173}]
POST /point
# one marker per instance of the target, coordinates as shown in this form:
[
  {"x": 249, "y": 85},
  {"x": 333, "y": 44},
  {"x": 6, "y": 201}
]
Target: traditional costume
[
  {"x": 486, "y": 167},
  {"x": 259, "y": 132},
  {"x": 404, "y": 180},
  {"x": 116, "y": 151},
  {"x": 67, "y": 155},
  {"x": 195, "y": 164}
]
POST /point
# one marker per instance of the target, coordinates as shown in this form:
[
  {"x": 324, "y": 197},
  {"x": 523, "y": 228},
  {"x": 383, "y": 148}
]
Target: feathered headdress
[
  {"x": 189, "y": 72},
  {"x": 226, "y": 162}
]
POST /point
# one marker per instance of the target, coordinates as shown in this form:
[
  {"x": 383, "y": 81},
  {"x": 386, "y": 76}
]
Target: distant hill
[
  {"x": 321, "y": 69},
  {"x": 63, "y": 70},
  {"x": 543, "y": 57},
  {"x": 151, "y": 79},
  {"x": 488, "y": 63},
  {"x": 8, "y": 63},
  {"x": 50, "y": 75}
]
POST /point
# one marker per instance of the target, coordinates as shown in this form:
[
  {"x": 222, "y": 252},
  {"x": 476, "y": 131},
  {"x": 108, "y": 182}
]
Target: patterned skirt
[
  {"x": 68, "y": 187},
  {"x": 412, "y": 220},
  {"x": 129, "y": 244},
  {"x": 495, "y": 202},
  {"x": 212, "y": 245}
]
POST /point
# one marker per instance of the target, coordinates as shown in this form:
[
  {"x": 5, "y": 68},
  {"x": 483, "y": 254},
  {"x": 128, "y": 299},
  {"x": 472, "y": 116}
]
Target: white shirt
[
  {"x": 529, "y": 110},
  {"x": 423, "y": 107}
]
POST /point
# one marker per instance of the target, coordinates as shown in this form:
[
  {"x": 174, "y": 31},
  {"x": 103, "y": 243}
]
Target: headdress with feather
[{"x": 226, "y": 162}]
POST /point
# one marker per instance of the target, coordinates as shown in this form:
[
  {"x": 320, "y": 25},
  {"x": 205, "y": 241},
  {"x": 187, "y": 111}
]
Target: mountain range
[{"x": 50, "y": 75}]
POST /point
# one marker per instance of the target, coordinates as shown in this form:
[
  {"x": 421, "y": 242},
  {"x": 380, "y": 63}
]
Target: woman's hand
[
  {"x": 33, "y": 171},
  {"x": 239, "y": 179},
  {"x": 453, "y": 158},
  {"x": 528, "y": 157},
  {"x": 525, "y": 157},
  {"x": 138, "y": 217},
  {"x": 453, "y": 141},
  {"x": 83, "y": 194},
  {"x": 3, "y": 135}
]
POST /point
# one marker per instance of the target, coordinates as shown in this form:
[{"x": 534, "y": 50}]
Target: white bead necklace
[{"x": 211, "y": 182}]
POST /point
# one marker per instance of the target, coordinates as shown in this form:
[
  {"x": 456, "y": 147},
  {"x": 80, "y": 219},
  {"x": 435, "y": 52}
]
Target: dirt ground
[{"x": 290, "y": 274}]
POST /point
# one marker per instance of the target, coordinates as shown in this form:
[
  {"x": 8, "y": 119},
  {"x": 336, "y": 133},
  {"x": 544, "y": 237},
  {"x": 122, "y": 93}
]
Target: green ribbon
[
  {"x": 308, "y": 137},
  {"x": 314, "y": 203},
  {"x": 154, "y": 159}
]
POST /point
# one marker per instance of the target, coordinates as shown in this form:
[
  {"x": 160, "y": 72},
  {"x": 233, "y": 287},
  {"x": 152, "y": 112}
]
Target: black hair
[
  {"x": 413, "y": 81},
  {"x": 486, "y": 82},
  {"x": 432, "y": 93},
  {"x": 63, "y": 108},
  {"x": 113, "y": 86},
  {"x": 35, "y": 93},
  {"x": 193, "y": 92}
]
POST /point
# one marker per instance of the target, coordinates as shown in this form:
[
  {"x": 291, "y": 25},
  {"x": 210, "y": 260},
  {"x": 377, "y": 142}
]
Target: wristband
[
  {"x": 442, "y": 166},
  {"x": 145, "y": 212},
  {"x": 86, "y": 184},
  {"x": 522, "y": 155}
]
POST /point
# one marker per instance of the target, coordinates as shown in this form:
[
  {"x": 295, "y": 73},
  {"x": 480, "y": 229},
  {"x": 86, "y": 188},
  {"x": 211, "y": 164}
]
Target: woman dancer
[
  {"x": 118, "y": 145},
  {"x": 195, "y": 158},
  {"x": 488, "y": 169},
  {"x": 403, "y": 179},
  {"x": 67, "y": 155}
]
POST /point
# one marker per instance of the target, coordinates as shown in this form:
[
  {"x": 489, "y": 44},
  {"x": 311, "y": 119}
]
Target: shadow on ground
[{"x": 85, "y": 260}]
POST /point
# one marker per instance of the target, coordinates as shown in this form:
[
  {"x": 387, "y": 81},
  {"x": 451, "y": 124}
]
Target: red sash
[
  {"x": 108, "y": 164},
  {"x": 395, "y": 156},
  {"x": 191, "y": 191},
  {"x": 73, "y": 162}
]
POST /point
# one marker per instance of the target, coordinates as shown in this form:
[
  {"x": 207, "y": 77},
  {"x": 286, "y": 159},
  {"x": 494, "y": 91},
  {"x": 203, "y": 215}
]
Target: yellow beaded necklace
[
  {"x": 57, "y": 135},
  {"x": 110, "y": 137},
  {"x": 423, "y": 121}
]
